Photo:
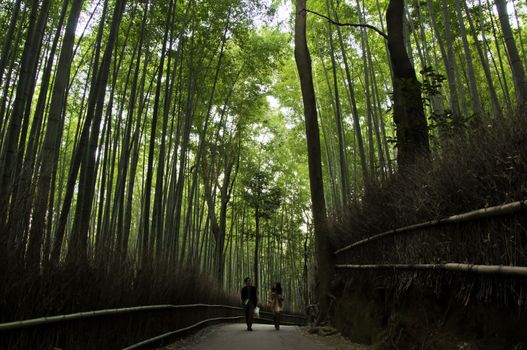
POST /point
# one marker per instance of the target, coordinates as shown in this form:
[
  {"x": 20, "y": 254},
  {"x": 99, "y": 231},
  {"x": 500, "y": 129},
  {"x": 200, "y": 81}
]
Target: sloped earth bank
[{"x": 423, "y": 321}]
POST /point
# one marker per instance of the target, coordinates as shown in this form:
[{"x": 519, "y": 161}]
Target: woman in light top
[{"x": 277, "y": 303}]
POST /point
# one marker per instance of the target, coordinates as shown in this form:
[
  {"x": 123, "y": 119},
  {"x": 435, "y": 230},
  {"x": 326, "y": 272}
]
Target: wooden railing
[
  {"x": 506, "y": 209},
  {"x": 128, "y": 328},
  {"x": 479, "y": 214},
  {"x": 460, "y": 267}
]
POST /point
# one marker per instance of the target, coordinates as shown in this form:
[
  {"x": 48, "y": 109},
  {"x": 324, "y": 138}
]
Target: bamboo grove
[
  {"x": 131, "y": 134},
  {"x": 155, "y": 136},
  {"x": 469, "y": 56},
  {"x": 367, "y": 54}
]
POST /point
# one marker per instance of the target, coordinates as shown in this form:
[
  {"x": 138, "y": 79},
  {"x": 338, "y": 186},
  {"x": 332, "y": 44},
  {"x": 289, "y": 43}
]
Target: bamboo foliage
[
  {"x": 126, "y": 128},
  {"x": 459, "y": 45}
]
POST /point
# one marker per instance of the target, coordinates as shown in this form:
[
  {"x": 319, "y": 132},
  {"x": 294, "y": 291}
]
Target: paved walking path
[{"x": 235, "y": 336}]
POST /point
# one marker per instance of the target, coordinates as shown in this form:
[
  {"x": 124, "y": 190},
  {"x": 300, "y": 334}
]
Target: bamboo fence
[
  {"x": 130, "y": 328},
  {"x": 479, "y": 214},
  {"x": 90, "y": 314},
  {"x": 460, "y": 267}
]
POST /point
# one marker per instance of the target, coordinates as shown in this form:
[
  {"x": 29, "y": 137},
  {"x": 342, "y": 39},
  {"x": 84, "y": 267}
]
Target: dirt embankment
[
  {"x": 478, "y": 168},
  {"x": 421, "y": 321}
]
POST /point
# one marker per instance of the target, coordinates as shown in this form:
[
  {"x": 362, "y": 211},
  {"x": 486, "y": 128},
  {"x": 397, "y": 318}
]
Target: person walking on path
[
  {"x": 277, "y": 304},
  {"x": 249, "y": 301}
]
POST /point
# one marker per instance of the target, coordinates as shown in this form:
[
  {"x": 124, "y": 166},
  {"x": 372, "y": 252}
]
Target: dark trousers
[
  {"x": 249, "y": 315},
  {"x": 276, "y": 319}
]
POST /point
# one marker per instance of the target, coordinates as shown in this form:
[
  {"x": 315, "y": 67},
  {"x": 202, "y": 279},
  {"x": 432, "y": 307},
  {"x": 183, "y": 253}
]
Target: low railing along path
[{"x": 123, "y": 328}]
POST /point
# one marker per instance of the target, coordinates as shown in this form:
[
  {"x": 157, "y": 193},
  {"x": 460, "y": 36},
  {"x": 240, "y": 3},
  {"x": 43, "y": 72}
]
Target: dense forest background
[{"x": 149, "y": 142}]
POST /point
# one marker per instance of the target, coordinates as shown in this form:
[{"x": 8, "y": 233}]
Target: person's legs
[
  {"x": 250, "y": 317},
  {"x": 247, "y": 316},
  {"x": 276, "y": 319}
]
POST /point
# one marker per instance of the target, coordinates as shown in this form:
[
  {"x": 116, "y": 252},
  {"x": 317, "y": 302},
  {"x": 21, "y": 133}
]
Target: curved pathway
[{"x": 235, "y": 336}]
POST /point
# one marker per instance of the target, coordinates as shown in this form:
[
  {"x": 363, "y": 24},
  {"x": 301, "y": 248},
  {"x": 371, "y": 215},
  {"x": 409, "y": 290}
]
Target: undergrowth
[
  {"x": 74, "y": 289},
  {"x": 483, "y": 167},
  {"x": 67, "y": 289}
]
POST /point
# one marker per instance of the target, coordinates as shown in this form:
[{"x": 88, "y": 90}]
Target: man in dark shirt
[{"x": 249, "y": 301}]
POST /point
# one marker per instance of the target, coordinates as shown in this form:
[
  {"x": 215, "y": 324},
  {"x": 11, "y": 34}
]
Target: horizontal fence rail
[
  {"x": 484, "y": 213},
  {"x": 478, "y": 269},
  {"x": 105, "y": 312},
  {"x": 119, "y": 327}
]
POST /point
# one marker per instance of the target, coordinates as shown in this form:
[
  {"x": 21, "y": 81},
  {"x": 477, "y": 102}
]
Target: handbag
[{"x": 257, "y": 312}]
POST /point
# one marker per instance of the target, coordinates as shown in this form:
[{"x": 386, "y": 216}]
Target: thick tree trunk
[
  {"x": 324, "y": 257},
  {"x": 408, "y": 112}
]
